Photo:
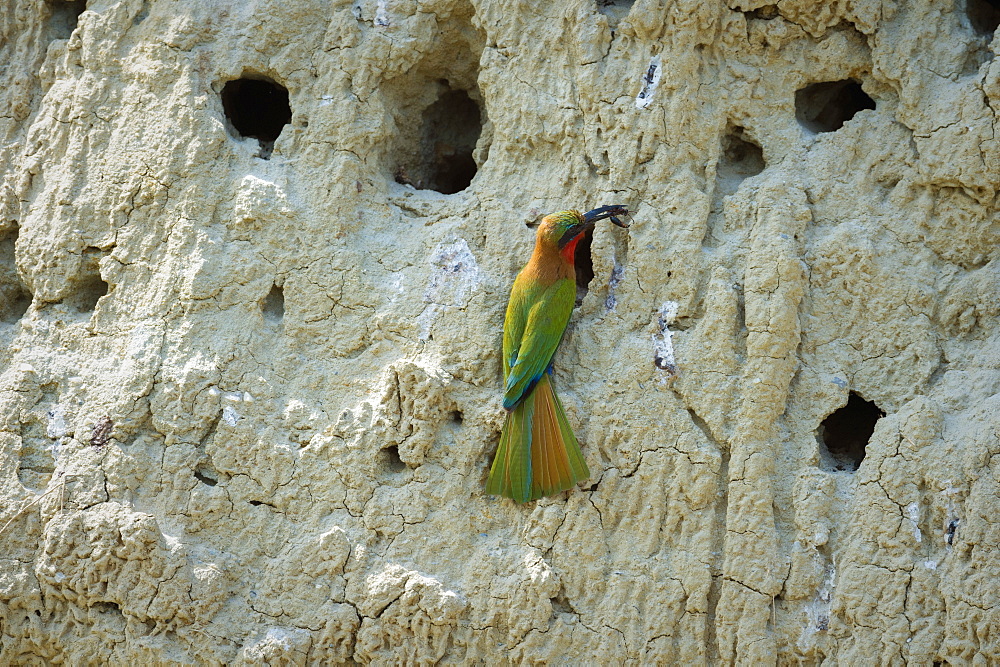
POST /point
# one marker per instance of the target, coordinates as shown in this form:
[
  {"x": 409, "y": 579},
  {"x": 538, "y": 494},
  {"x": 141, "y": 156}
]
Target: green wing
[{"x": 536, "y": 319}]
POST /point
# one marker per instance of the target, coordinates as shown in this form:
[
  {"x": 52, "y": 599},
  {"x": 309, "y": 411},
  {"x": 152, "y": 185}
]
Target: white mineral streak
[
  {"x": 663, "y": 347},
  {"x": 913, "y": 515},
  {"x": 381, "y": 14},
  {"x": 56, "y": 428},
  {"x": 650, "y": 82},
  {"x": 617, "y": 275},
  {"x": 455, "y": 275},
  {"x": 230, "y": 416}
]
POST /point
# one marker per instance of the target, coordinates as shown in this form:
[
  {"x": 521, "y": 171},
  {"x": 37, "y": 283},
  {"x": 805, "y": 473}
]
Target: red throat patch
[{"x": 569, "y": 249}]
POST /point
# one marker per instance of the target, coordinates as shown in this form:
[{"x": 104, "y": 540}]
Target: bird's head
[
  {"x": 558, "y": 229},
  {"x": 565, "y": 227}
]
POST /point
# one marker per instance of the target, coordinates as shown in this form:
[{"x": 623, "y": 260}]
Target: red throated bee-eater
[{"x": 538, "y": 454}]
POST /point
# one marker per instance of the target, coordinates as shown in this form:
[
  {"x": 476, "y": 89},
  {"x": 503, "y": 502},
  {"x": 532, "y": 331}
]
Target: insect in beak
[{"x": 611, "y": 212}]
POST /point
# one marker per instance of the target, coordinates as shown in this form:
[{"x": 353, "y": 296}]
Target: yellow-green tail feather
[{"x": 538, "y": 453}]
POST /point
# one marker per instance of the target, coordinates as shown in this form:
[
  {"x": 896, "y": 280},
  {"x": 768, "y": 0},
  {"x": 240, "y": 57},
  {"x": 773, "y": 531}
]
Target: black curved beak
[
  {"x": 612, "y": 212},
  {"x": 591, "y": 217}
]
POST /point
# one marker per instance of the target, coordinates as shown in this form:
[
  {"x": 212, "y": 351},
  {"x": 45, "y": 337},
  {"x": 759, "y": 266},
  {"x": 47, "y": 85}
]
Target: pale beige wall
[{"x": 308, "y": 487}]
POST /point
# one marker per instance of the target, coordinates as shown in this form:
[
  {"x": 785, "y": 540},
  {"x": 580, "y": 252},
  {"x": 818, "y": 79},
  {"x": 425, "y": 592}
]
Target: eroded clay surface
[{"x": 248, "y": 405}]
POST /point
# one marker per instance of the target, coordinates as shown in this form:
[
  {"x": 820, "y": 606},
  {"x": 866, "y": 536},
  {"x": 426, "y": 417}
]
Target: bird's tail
[{"x": 538, "y": 454}]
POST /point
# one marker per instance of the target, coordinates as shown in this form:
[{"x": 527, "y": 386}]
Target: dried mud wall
[{"x": 249, "y": 388}]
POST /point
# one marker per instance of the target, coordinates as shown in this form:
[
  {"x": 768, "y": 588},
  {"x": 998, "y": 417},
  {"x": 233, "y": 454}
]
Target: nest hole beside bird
[{"x": 584, "y": 261}]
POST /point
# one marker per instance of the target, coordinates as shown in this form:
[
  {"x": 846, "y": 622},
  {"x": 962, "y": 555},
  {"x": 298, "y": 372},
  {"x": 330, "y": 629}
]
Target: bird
[{"x": 538, "y": 454}]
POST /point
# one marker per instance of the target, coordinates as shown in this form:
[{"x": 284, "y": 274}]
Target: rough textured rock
[{"x": 249, "y": 394}]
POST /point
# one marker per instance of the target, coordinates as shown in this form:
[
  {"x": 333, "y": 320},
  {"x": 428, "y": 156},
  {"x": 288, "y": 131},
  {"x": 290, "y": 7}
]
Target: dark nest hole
[
  {"x": 390, "y": 461},
  {"x": 742, "y": 157},
  {"x": 615, "y": 10},
  {"x": 984, "y": 15},
  {"x": 450, "y": 129},
  {"x": 14, "y": 303},
  {"x": 86, "y": 293},
  {"x": 207, "y": 474},
  {"x": 457, "y": 417},
  {"x": 14, "y": 296},
  {"x": 826, "y": 106},
  {"x": 258, "y": 503},
  {"x": 765, "y": 13},
  {"x": 88, "y": 287},
  {"x": 274, "y": 305},
  {"x": 584, "y": 261},
  {"x": 257, "y": 108},
  {"x": 845, "y": 434},
  {"x": 63, "y": 17},
  {"x": 106, "y": 607}
]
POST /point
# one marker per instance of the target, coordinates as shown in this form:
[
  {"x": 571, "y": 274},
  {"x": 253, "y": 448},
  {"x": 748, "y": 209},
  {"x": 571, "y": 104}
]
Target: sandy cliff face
[{"x": 249, "y": 386}]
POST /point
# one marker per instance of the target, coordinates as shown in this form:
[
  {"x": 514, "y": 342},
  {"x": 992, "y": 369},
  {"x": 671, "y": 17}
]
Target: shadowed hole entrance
[
  {"x": 207, "y": 474},
  {"x": 584, "y": 261},
  {"x": 615, "y": 10},
  {"x": 105, "y": 607},
  {"x": 561, "y": 604},
  {"x": 14, "y": 308},
  {"x": 390, "y": 460},
  {"x": 844, "y": 435},
  {"x": 14, "y": 296},
  {"x": 88, "y": 287},
  {"x": 257, "y": 108},
  {"x": 741, "y": 157},
  {"x": 765, "y": 13},
  {"x": 826, "y": 106},
  {"x": 984, "y": 15},
  {"x": 88, "y": 292},
  {"x": 258, "y": 503},
  {"x": 274, "y": 305},
  {"x": 63, "y": 17},
  {"x": 450, "y": 129}
]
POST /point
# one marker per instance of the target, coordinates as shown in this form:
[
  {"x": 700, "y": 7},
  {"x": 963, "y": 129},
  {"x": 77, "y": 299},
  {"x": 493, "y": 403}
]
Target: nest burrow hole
[
  {"x": 15, "y": 303},
  {"x": 844, "y": 435},
  {"x": 274, "y": 305},
  {"x": 206, "y": 474},
  {"x": 63, "y": 17},
  {"x": 14, "y": 296},
  {"x": 88, "y": 292},
  {"x": 584, "y": 261},
  {"x": 741, "y": 156},
  {"x": 89, "y": 287},
  {"x": 826, "y": 106},
  {"x": 984, "y": 15},
  {"x": 449, "y": 131},
  {"x": 256, "y": 107},
  {"x": 390, "y": 460},
  {"x": 615, "y": 10},
  {"x": 765, "y": 13}
]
